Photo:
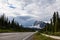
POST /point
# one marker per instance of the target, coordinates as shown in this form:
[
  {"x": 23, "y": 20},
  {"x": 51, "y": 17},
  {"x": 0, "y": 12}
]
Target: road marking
[
  {"x": 14, "y": 36},
  {"x": 29, "y": 36}
]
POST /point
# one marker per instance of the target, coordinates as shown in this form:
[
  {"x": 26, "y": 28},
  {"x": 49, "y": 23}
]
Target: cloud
[
  {"x": 36, "y": 9},
  {"x": 11, "y": 6}
]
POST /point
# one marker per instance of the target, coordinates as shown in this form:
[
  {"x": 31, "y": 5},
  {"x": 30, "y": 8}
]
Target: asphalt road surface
[{"x": 15, "y": 36}]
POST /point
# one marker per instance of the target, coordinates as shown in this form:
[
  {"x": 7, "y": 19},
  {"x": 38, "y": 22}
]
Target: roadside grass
[
  {"x": 38, "y": 36},
  {"x": 5, "y": 30},
  {"x": 51, "y": 33},
  {"x": 56, "y": 34}
]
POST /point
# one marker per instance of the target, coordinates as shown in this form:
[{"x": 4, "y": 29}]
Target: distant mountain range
[
  {"x": 29, "y": 23},
  {"x": 41, "y": 24}
]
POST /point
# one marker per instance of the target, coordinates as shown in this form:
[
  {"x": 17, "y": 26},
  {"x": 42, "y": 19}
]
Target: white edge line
[{"x": 28, "y": 36}]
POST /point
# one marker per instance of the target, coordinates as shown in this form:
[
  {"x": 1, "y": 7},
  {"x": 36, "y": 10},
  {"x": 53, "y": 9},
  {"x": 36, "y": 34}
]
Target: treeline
[
  {"x": 54, "y": 25},
  {"x": 11, "y": 26}
]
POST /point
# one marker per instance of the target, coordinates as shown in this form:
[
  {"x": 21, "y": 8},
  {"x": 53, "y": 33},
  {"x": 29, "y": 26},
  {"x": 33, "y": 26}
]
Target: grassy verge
[
  {"x": 55, "y": 34},
  {"x": 38, "y": 36},
  {"x": 3, "y": 31}
]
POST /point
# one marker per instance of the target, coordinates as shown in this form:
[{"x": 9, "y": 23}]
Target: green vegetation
[
  {"x": 12, "y": 26},
  {"x": 38, "y": 36},
  {"x": 54, "y": 34},
  {"x": 54, "y": 26}
]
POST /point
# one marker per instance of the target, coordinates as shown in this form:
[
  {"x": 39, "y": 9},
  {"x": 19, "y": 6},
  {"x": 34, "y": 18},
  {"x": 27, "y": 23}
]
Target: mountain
[
  {"x": 27, "y": 21},
  {"x": 41, "y": 24}
]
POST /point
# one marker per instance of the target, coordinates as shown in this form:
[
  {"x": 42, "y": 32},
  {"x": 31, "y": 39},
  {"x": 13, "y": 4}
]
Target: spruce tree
[
  {"x": 54, "y": 18},
  {"x": 51, "y": 25},
  {"x": 57, "y": 21},
  {"x": 54, "y": 21}
]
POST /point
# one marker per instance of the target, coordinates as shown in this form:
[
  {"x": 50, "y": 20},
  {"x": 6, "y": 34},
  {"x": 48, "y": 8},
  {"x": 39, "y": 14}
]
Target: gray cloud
[{"x": 29, "y": 9}]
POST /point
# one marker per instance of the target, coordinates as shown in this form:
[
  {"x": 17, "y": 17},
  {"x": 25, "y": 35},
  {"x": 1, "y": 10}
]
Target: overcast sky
[{"x": 33, "y": 9}]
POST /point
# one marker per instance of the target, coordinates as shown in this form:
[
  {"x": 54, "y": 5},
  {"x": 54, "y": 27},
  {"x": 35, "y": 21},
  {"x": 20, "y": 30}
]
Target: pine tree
[
  {"x": 54, "y": 18},
  {"x": 51, "y": 25},
  {"x": 57, "y": 21},
  {"x": 54, "y": 21}
]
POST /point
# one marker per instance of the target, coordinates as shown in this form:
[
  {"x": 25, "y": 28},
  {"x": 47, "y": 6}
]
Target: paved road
[{"x": 15, "y": 36}]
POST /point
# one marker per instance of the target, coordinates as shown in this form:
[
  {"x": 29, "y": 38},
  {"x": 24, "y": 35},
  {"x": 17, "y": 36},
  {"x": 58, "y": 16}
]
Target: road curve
[{"x": 15, "y": 36}]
